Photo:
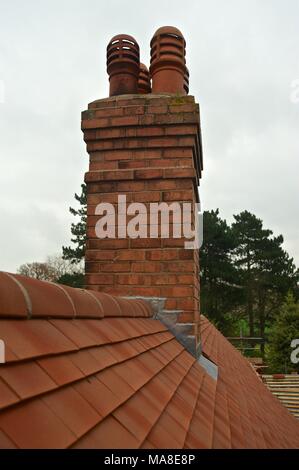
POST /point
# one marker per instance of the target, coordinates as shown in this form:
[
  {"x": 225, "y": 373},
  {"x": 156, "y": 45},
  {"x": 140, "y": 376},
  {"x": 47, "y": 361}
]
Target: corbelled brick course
[{"x": 147, "y": 147}]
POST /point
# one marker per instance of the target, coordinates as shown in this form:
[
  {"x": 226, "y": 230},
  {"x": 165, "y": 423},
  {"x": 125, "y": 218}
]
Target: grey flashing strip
[
  {"x": 169, "y": 318},
  {"x": 209, "y": 366}
]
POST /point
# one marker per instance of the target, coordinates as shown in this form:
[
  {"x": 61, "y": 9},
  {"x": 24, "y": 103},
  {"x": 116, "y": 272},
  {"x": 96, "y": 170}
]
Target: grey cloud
[{"x": 242, "y": 56}]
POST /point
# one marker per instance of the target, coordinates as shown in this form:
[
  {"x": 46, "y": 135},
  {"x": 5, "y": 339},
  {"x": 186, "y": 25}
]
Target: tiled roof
[{"x": 85, "y": 369}]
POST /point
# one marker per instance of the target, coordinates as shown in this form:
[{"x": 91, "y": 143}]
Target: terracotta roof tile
[
  {"x": 28, "y": 339},
  {"x": 138, "y": 416},
  {"x": 34, "y": 425},
  {"x": 26, "y": 380},
  {"x": 98, "y": 395},
  {"x": 101, "y": 437},
  {"x": 12, "y": 299},
  {"x": 71, "y": 407},
  {"x": 60, "y": 305},
  {"x": 115, "y": 384},
  {"x": 5, "y": 442},
  {"x": 7, "y": 396},
  {"x": 97, "y": 371},
  {"x": 76, "y": 332},
  {"x": 86, "y": 362},
  {"x": 61, "y": 369}
]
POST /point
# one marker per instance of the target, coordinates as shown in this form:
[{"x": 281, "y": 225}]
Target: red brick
[
  {"x": 181, "y": 130},
  {"x": 116, "y": 290},
  {"x": 108, "y": 112},
  {"x": 148, "y": 174},
  {"x": 100, "y": 255},
  {"x": 183, "y": 266},
  {"x": 185, "y": 279},
  {"x": 128, "y": 186},
  {"x": 146, "y": 120},
  {"x": 114, "y": 267},
  {"x": 99, "y": 279},
  {"x": 107, "y": 244},
  {"x": 178, "y": 291},
  {"x": 107, "y": 187},
  {"x": 149, "y": 131},
  {"x": 146, "y": 196},
  {"x": 161, "y": 184},
  {"x": 178, "y": 153},
  {"x": 134, "y": 164},
  {"x": 186, "y": 317},
  {"x": 147, "y": 154},
  {"x": 118, "y": 175},
  {"x": 131, "y": 101},
  {"x": 95, "y": 123},
  {"x": 183, "y": 108},
  {"x": 154, "y": 255},
  {"x": 173, "y": 242},
  {"x": 162, "y": 109},
  {"x": 145, "y": 243},
  {"x": 186, "y": 254},
  {"x": 170, "y": 304},
  {"x": 146, "y": 291},
  {"x": 178, "y": 195},
  {"x": 133, "y": 279},
  {"x": 185, "y": 304},
  {"x": 133, "y": 110},
  {"x": 131, "y": 255},
  {"x": 179, "y": 173},
  {"x": 118, "y": 154},
  {"x": 146, "y": 267},
  {"x": 162, "y": 142},
  {"x": 163, "y": 279},
  {"x": 111, "y": 133},
  {"x": 124, "y": 121},
  {"x": 169, "y": 118},
  {"x": 94, "y": 166}
]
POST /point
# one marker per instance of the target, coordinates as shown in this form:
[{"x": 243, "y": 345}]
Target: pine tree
[
  {"x": 76, "y": 254},
  {"x": 220, "y": 293},
  {"x": 266, "y": 270},
  {"x": 78, "y": 230},
  {"x": 284, "y": 330}
]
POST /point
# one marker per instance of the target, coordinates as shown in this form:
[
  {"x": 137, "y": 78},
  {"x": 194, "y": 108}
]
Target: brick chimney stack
[{"x": 147, "y": 147}]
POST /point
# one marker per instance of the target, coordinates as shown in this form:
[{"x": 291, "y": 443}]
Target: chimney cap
[
  {"x": 126, "y": 37},
  {"x": 123, "y": 64},
  {"x": 122, "y": 47},
  {"x": 168, "y": 30}
]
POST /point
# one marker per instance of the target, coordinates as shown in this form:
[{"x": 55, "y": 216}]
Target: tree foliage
[
  {"x": 76, "y": 253},
  {"x": 283, "y": 331},
  {"x": 220, "y": 292},
  {"x": 54, "y": 269},
  {"x": 245, "y": 273}
]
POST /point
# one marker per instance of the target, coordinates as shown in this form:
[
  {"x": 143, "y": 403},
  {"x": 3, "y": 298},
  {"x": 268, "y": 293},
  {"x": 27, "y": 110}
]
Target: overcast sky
[{"x": 243, "y": 59}]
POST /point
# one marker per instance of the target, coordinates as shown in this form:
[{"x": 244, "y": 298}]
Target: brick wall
[{"x": 147, "y": 147}]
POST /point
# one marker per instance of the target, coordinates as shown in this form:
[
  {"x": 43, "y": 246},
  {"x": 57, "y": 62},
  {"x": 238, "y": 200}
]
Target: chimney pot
[
  {"x": 144, "y": 81},
  {"x": 168, "y": 64},
  {"x": 123, "y": 65}
]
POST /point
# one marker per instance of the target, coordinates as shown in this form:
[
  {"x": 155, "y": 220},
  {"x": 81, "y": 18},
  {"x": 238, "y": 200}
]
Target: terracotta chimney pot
[
  {"x": 168, "y": 49},
  {"x": 144, "y": 81},
  {"x": 123, "y": 65}
]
